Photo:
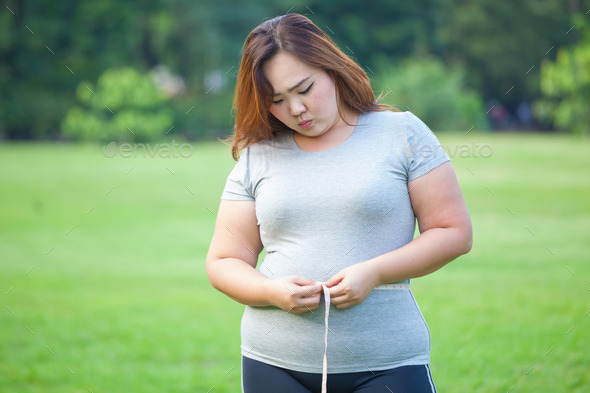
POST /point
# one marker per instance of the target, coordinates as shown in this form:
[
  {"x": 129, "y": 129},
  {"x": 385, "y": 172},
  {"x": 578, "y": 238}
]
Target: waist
[{"x": 386, "y": 330}]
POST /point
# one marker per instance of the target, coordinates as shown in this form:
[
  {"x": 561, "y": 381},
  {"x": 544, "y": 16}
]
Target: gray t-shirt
[{"x": 319, "y": 212}]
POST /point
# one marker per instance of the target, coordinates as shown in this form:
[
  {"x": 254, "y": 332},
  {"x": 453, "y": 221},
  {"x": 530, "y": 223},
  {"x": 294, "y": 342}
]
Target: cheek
[
  {"x": 316, "y": 102},
  {"x": 324, "y": 98}
]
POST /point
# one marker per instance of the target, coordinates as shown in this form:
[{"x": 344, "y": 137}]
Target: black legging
[{"x": 258, "y": 377}]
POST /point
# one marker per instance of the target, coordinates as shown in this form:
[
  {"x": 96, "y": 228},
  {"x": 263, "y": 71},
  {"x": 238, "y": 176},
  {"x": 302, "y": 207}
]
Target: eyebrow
[{"x": 294, "y": 87}]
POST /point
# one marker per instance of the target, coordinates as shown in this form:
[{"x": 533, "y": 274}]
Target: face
[{"x": 304, "y": 96}]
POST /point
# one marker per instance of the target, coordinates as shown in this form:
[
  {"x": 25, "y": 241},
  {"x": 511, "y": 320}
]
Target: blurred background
[
  {"x": 80, "y": 70},
  {"x": 111, "y": 174}
]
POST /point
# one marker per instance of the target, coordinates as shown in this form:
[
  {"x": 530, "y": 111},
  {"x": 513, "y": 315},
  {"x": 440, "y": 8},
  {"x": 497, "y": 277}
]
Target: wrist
[
  {"x": 267, "y": 291},
  {"x": 374, "y": 267}
]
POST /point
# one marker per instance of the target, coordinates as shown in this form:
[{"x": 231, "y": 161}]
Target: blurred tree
[
  {"x": 124, "y": 105},
  {"x": 501, "y": 43},
  {"x": 565, "y": 84},
  {"x": 394, "y": 29},
  {"x": 47, "y": 48},
  {"x": 434, "y": 93},
  {"x": 202, "y": 42}
]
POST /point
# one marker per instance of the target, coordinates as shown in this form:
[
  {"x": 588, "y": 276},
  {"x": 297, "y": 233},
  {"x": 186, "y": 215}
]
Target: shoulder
[
  {"x": 404, "y": 124},
  {"x": 261, "y": 153},
  {"x": 281, "y": 140},
  {"x": 387, "y": 119},
  {"x": 384, "y": 124}
]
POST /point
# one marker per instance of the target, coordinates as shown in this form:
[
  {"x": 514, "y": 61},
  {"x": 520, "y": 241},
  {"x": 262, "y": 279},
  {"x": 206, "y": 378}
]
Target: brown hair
[{"x": 297, "y": 35}]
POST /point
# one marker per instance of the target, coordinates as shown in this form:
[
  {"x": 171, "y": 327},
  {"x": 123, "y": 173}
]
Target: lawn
[{"x": 104, "y": 289}]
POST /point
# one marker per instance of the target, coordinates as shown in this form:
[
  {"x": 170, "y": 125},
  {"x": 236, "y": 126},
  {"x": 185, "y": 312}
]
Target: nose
[{"x": 296, "y": 108}]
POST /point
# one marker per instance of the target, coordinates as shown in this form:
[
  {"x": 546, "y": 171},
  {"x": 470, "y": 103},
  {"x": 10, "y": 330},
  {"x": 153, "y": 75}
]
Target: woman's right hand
[{"x": 294, "y": 294}]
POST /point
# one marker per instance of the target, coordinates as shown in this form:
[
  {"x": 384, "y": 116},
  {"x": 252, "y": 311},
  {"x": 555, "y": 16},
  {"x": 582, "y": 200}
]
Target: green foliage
[
  {"x": 48, "y": 47},
  {"x": 203, "y": 116},
  {"x": 565, "y": 84},
  {"x": 500, "y": 43},
  {"x": 434, "y": 93},
  {"x": 124, "y": 105},
  {"x": 395, "y": 29}
]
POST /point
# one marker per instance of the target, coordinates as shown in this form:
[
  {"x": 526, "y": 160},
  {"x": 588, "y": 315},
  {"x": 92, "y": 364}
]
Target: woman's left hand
[{"x": 352, "y": 285}]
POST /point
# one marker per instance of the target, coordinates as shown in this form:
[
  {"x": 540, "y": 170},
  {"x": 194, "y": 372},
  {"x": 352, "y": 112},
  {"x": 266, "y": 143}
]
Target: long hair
[{"x": 297, "y": 35}]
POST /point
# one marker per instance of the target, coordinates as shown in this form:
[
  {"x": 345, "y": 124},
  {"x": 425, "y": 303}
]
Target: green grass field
[{"x": 103, "y": 284}]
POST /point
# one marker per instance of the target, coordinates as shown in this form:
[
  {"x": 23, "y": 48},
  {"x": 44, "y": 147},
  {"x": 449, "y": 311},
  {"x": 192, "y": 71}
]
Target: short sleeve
[
  {"x": 238, "y": 186},
  {"x": 423, "y": 150}
]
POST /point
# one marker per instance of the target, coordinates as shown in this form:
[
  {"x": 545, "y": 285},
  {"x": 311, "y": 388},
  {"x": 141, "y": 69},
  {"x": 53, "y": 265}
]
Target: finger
[
  {"x": 298, "y": 290},
  {"x": 295, "y": 311},
  {"x": 345, "y": 305},
  {"x": 301, "y": 310},
  {"x": 339, "y": 300},
  {"x": 309, "y": 301},
  {"x": 334, "y": 280},
  {"x": 302, "y": 281},
  {"x": 338, "y": 290},
  {"x": 301, "y": 286},
  {"x": 307, "y": 290},
  {"x": 316, "y": 288},
  {"x": 310, "y": 308}
]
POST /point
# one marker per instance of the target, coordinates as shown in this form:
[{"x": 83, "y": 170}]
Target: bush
[
  {"x": 432, "y": 92},
  {"x": 565, "y": 85},
  {"x": 200, "y": 116},
  {"x": 124, "y": 105}
]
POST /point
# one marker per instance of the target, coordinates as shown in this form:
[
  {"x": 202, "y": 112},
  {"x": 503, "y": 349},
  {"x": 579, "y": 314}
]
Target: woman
[{"x": 330, "y": 183}]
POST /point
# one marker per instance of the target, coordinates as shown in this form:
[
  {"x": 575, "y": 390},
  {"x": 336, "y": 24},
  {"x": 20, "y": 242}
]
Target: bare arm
[
  {"x": 445, "y": 234},
  {"x": 231, "y": 264},
  {"x": 444, "y": 223}
]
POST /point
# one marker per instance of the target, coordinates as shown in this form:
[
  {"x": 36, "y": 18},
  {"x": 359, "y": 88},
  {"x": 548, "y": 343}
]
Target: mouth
[{"x": 305, "y": 124}]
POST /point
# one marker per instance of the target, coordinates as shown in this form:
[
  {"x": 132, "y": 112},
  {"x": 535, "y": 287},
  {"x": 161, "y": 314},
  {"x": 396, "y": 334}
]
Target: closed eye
[
  {"x": 307, "y": 90},
  {"x": 303, "y": 93}
]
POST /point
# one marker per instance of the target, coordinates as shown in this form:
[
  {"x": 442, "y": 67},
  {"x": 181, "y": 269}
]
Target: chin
[{"x": 311, "y": 133}]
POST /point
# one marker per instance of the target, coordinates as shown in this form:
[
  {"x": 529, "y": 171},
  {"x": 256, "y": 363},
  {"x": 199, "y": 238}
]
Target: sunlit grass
[{"x": 104, "y": 289}]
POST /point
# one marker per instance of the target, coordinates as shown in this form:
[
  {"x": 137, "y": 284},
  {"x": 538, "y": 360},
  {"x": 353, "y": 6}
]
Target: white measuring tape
[
  {"x": 326, "y": 316},
  {"x": 325, "y": 367}
]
